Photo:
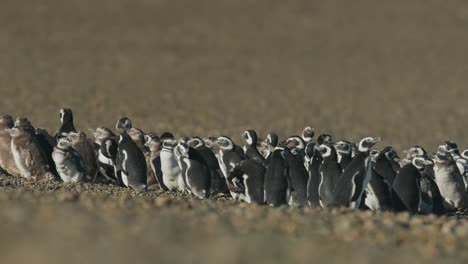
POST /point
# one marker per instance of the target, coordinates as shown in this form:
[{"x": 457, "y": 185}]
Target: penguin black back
[
  {"x": 250, "y": 147},
  {"x": 276, "y": 183},
  {"x": 313, "y": 181},
  {"x": 66, "y": 120}
]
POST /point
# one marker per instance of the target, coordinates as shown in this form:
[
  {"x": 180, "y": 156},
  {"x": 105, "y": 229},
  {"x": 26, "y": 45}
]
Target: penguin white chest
[
  {"x": 170, "y": 169},
  {"x": 66, "y": 166}
]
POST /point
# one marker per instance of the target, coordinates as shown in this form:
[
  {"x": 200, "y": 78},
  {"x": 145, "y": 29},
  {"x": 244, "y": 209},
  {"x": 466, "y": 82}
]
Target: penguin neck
[{"x": 67, "y": 126}]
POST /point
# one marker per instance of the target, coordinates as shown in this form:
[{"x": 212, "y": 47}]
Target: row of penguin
[{"x": 297, "y": 171}]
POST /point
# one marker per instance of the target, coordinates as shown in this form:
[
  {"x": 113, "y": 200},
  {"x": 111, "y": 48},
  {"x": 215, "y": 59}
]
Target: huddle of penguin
[{"x": 300, "y": 171}]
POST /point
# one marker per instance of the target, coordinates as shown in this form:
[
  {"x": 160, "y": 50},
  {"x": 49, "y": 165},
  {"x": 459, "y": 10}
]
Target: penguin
[
  {"x": 464, "y": 154},
  {"x": 265, "y": 149},
  {"x": 195, "y": 172},
  {"x": 272, "y": 139},
  {"x": 344, "y": 150},
  {"x": 324, "y": 138},
  {"x": 250, "y": 175},
  {"x": 7, "y": 161},
  {"x": 378, "y": 192},
  {"x": 308, "y": 134},
  {"x": 298, "y": 177},
  {"x": 330, "y": 171},
  {"x": 385, "y": 164},
  {"x": 250, "y": 148},
  {"x": 414, "y": 151},
  {"x": 354, "y": 179},
  {"x": 171, "y": 170},
  {"x": 44, "y": 135},
  {"x": 450, "y": 182},
  {"x": 277, "y": 186},
  {"x": 228, "y": 155},
  {"x": 29, "y": 157},
  {"x": 102, "y": 133},
  {"x": 87, "y": 150},
  {"x": 138, "y": 136},
  {"x": 154, "y": 144},
  {"x": 313, "y": 181},
  {"x": 407, "y": 187},
  {"x": 130, "y": 163},
  {"x": 107, "y": 156},
  {"x": 432, "y": 200},
  {"x": 69, "y": 164},
  {"x": 218, "y": 182},
  {"x": 66, "y": 121},
  {"x": 297, "y": 145}
]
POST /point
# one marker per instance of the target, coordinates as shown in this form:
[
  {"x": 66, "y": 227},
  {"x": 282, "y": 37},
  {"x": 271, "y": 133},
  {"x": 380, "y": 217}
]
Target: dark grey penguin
[
  {"x": 344, "y": 150},
  {"x": 450, "y": 182},
  {"x": 250, "y": 148},
  {"x": 297, "y": 146},
  {"x": 313, "y": 181},
  {"x": 248, "y": 177},
  {"x": 406, "y": 187},
  {"x": 69, "y": 164},
  {"x": 308, "y": 134},
  {"x": 385, "y": 164},
  {"x": 66, "y": 121},
  {"x": 277, "y": 186},
  {"x": 154, "y": 144},
  {"x": 378, "y": 192},
  {"x": 218, "y": 182},
  {"x": 107, "y": 155},
  {"x": 228, "y": 157},
  {"x": 7, "y": 161},
  {"x": 30, "y": 158},
  {"x": 330, "y": 171},
  {"x": 324, "y": 138},
  {"x": 354, "y": 179},
  {"x": 432, "y": 200},
  {"x": 87, "y": 150},
  {"x": 195, "y": 172},
  {"x": 298, "y": 177},
  {"x": 131, "y": 163}
]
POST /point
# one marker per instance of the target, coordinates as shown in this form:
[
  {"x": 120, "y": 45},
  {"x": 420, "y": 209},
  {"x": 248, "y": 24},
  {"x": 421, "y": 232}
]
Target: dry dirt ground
[{"x": 395, "y": 69}]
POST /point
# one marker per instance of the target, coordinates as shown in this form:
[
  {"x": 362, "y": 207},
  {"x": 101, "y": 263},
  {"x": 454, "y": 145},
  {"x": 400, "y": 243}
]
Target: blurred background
[{"x": 393, "y": 69}]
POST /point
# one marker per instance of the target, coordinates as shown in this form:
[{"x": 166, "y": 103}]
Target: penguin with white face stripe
[
  {"x": 324, "y": 138},
  {"x": 297, "y": 174},
  {"x": 407, "y": 189},
  {"x": 308, "y": 134},
  {"x": 228, "y": 157},
  {"x": 66, "y": 121},
  {"x": 249, "y": 177},
  {"x": 330, "y": 171},
  {"x": 195, "y": 171},
  {"x": 131, "y": 162},
  {"x": 250, "y": 148},
  {"x": 171, "y": 167},
  {"x": 272, "y": 139},
  {"x": 277, "y": 185},
  {"x": 354, "y": 179},
  {"x": 313, "y": 181},
  {"x": 107, "y": 156},
  {"x": 414, "y": 151},
  {"x": 344, "y": 150},
  {"x": 378, "y": 193},
  {"x": 218, "y": 183}
]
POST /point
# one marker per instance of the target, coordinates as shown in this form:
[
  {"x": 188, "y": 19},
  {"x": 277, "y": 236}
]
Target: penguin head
[
  {"x": 23, "y": 124},
  {"x": 153, "y": 142},
  {"x": 66, "y": 115},
  {"x": 166, "y": 135},
  {"x": 421, "y": 162},
  {"x": 6, "y": 122},
  {"x": 14, "y": 132},
  {"x": 64, "y": 143},
  {"x": 75, "y": 136},
  {"x": 390, "y": 153},
  {"x": 210, "y": 142},
  {"x": 101, "y": 133},
  {"x": 464, "y": 154},
  {"x": 414, "y": 151},
  {"x": 184, "y": 139},
  {"x": 182, "y": 150},
  {"x": 137, "y": 135},
  {"x": 367, "y": 143},
  {"x": 323, "y": 138},
  {"x": 250, "y": 137},
  {"x": 225, "y": 143},
  {"x": 196, "y": 142},
  {"x": 374, "y": 154},
  {"x": 308, "y": 134},
  {"x": 265, "y": 148},
  {"x": 327, "y": 150},
  {"x": 442, "y": 158},
  {"x": 344, "y": 147},
  {"x": 169, "y": 144},
  {"x": 295, "y": 142},
  {"x": 451, "y": 147},
  {"x": 272, "y": 139},
  {"x": 123, "y": 125}
]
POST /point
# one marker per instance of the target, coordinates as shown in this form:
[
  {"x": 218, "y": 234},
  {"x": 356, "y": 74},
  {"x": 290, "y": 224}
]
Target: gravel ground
[{"x": 211, "y": 67}]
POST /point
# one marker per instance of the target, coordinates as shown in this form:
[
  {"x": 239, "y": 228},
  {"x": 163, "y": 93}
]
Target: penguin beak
[
  {"x": 428, "y": 162},
  {"x": 377, "y": 139}
]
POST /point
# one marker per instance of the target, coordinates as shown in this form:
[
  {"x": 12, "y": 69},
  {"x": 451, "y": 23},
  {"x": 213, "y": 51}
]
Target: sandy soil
[{"x": 394, "y": 69}]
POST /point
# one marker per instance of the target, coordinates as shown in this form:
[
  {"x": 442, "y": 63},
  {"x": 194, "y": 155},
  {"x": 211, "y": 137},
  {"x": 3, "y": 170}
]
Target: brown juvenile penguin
[
  {"x": 102, "y": 133},
  {"x": 29, "y": 156},
  {"x": 154, "y": 144},
  {"x": 87, "y": 150},
  {"x": 7, "y": 161}
]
